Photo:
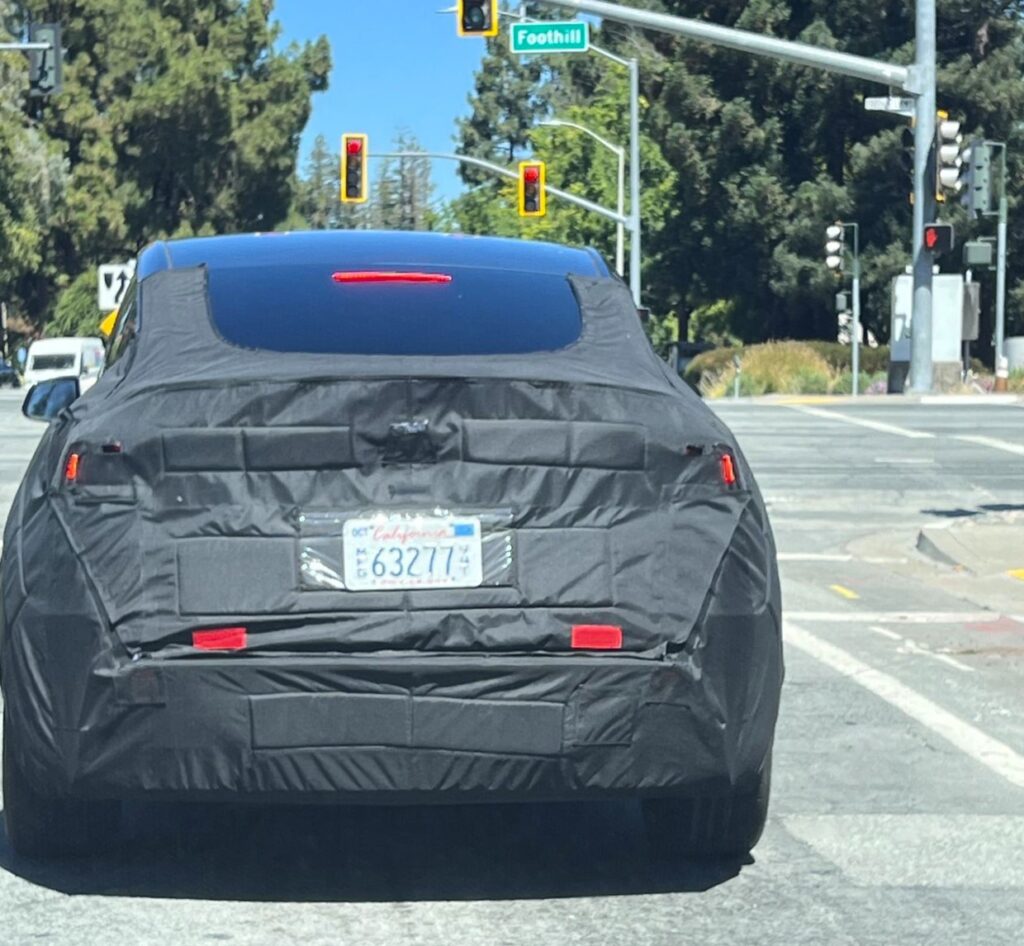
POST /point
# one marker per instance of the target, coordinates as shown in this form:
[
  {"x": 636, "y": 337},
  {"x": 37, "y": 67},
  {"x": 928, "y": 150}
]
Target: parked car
[
  {"x": 61, "y": 357},
  {"x": 8, "y": 375},
  {"x": 392, "y": 518}
]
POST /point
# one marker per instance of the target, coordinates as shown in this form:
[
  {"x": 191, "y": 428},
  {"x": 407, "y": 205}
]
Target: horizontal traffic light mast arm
[
  {"x": 803, "y": 54},
  {"x": 627, "y": 222}
]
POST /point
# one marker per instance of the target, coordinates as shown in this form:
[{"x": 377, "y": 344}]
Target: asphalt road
[{"x": 898, "y": 806}]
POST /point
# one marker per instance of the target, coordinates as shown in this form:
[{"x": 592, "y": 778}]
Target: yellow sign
[{"x": 108, "y": 324}]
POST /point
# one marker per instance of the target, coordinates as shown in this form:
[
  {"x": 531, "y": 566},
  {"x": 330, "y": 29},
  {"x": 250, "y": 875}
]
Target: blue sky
[{"x": 412, "y": 76}]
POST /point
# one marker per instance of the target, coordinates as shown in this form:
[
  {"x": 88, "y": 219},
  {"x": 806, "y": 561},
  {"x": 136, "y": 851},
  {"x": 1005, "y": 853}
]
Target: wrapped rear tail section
[{"x": 236, "y": 514}]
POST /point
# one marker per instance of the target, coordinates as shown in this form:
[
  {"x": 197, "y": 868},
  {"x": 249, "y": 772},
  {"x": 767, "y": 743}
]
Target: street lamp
[{"x": 620, "y": 153}]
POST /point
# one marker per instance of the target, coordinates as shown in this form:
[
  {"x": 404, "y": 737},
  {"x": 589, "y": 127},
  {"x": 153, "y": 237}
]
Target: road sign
[
  {"x": 896, "y": 104},
  {"x": 572, "y": 36},
  {"x": 113, "y": 279}
]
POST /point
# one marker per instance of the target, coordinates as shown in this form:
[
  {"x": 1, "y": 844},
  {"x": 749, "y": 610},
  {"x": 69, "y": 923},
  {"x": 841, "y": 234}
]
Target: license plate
[{"x": 412, "y": 552}]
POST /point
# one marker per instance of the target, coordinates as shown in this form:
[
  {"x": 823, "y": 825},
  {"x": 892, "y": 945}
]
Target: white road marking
[
  {"x": 897, "y": 617},
  {"x": 980, "y": 746},
  {"x": 908, "y": 646},
  {"x": 905, "y": 461},
  {"x": 960, "y": 400},
  {"x": 864, "y": 422},
  {"x": 885, "y": 632},
  {"x": 912, "y": 647},
  {"x": 992, "y": 442},
  {"x": 813, "y": 557},
  {"x": 836, "y": 557}
]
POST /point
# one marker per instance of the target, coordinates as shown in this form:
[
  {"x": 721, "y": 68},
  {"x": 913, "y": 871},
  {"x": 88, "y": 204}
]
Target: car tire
[
  {"x": 40, "y": 825},
  {"x": 708, "y": 827}
]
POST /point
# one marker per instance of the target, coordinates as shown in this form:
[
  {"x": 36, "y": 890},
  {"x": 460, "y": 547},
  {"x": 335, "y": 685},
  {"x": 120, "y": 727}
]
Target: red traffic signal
[
  {"x": 938, "y": 237},
  {"x": 532, "y": 197},
  {"x": 353, "y": 169}
]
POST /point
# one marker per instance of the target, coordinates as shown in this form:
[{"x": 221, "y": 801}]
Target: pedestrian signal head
[{"x": 938, "y": 237}]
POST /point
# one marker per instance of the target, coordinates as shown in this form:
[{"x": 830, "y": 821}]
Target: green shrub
[
  {"x": 76, "y": 312},
  {"x": 1015, "y": 382},
  {"x": 843, "y": 384},
  {"x": 839, "y": 356},
  {"x": 709, "y": 363},
  {"x": 775, "y": 367}
]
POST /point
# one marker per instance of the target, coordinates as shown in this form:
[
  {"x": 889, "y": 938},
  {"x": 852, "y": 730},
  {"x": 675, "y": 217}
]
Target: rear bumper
[{"x": 414, "y": 728}]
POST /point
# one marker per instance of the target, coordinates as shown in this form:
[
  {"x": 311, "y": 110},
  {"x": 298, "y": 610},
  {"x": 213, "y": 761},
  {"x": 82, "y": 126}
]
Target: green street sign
[{"x": 572, "y": 36}]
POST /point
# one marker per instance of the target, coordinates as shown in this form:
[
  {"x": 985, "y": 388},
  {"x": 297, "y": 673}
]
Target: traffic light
[
  {"x": 948, "y": 162},
  {"x": 45, "y": 66},
  {"x": 477, "y": 17},
  {"x": 353, "y": 169},
  {"x": 835, "y": 247},
  {"x": 978, "y": 192},
  {"x": 532, "y": 199},
  {"x": 938, "y": 237}
]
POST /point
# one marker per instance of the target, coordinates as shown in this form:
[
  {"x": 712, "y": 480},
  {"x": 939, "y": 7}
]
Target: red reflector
[
  {"x": 596, "y": 637},
  {"x": 220, "y": 638},
  {"x": 71, "y": 467},
  {"x": 531, "y": 175},
  {"x": 354, "y": 146},
  {"x": 392, "y": 277},
  {"x": 728, "y": 470}
]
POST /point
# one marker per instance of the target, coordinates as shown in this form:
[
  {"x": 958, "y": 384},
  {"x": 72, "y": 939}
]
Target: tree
[
  {"x": 506, "y": 103},
  {"x": 401, "y": 198},
  {"x": 177, "y": 118},
  {"x": 763, "y": 154}
]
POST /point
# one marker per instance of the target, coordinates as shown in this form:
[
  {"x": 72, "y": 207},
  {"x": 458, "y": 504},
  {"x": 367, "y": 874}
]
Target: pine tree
[{"x": 401, "y": 197}]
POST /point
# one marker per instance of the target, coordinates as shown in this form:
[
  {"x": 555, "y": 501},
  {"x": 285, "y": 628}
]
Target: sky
[{"x": 397, "y": 66}]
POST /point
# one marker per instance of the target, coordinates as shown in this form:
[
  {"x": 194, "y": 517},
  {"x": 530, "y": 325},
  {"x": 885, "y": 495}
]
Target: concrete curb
[{"x": 982, "y": 549}]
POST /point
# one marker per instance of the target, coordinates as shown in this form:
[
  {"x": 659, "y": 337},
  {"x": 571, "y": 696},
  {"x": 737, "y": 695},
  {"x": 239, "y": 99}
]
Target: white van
[{"x": 83, "y": 358}]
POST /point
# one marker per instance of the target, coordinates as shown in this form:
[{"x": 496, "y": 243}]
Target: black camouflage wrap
[{"x": 595, "y": 472}]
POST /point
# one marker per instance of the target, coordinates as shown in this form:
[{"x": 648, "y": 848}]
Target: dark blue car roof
[{"x": 355, "y": 248}]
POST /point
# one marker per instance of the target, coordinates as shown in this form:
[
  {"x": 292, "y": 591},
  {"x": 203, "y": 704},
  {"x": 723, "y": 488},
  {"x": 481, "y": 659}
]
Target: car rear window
[
  {"x": 52, "y": 362},
  {"x": 304, "y": 308}
]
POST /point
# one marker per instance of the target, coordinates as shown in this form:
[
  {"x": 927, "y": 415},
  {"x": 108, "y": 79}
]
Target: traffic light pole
[
  {"x": 917, "y": 80},
  {"x": 606, "y": 212},
  {"x": 855, "y": 330},
  {"x": 921, "y": 374},
  {"x": 1000, "y": 365}
]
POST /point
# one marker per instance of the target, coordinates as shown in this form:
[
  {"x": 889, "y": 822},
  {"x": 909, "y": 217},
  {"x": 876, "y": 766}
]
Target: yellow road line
[
  {"x": 844, "y": 592},
  {"x": 1017, "y": 573}
]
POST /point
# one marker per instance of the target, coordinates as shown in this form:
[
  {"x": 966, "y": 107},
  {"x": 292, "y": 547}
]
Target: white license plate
[{"x": 412, "y": 552}]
